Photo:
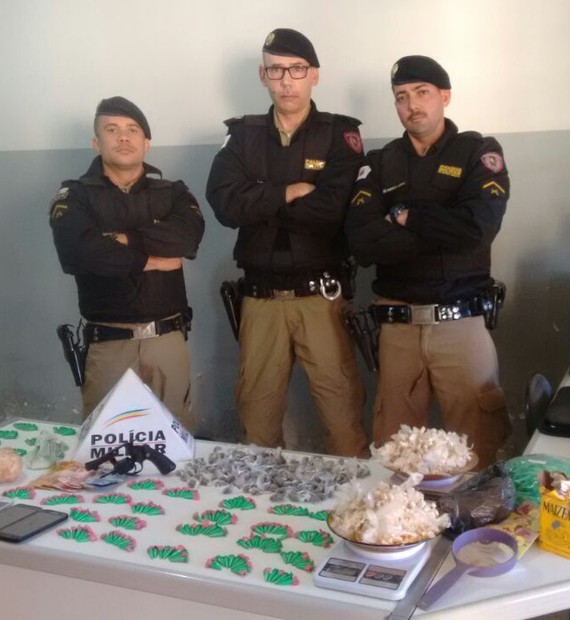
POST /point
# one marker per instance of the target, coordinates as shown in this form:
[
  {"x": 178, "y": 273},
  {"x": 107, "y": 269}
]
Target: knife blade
[{"x": 405, "y": 608}]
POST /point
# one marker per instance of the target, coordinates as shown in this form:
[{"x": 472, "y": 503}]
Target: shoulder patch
[
  {"x": 493, "y": 161},
  {"x": 57, "y": 211},
  {"x": 493, "y": 188},
  {"x": 363, "y": 172},
  {"x": 226, "y": 140},
  {"x": 361, "y": 197},
  {"x": 61, "y": 194},
  {"x": 354, "y": 141}
]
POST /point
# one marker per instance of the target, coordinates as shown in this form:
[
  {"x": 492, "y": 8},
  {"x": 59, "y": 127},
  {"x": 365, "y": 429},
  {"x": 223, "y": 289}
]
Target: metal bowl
[{"x": 370, "y": 548}]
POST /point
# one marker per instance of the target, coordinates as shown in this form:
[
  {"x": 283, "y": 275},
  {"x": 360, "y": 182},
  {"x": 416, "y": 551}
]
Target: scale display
[{"x": 380, "y": 575}]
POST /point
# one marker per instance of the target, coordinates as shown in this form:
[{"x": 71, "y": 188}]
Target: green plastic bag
[{"x": 523, "y": 471}]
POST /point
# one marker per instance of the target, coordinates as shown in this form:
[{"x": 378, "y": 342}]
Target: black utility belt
[
  {"x": 93, "y": 332},
  {"x": 325, "y": 284},
  {"x": 430, "y": 314}
]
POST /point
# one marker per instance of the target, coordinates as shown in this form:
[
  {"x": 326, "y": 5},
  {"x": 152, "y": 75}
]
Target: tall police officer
[
  {"x": 284, "y": 179},
  {"x": 425, "y": 210},
  {"x": 123, "y": 232}
]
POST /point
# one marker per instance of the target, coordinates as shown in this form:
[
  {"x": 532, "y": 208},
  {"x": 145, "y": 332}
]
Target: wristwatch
[{"x": 395, "y": 211}]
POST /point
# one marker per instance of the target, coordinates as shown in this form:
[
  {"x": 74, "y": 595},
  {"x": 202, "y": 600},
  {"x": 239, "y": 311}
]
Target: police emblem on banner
[{"x": 352, "y": 138}]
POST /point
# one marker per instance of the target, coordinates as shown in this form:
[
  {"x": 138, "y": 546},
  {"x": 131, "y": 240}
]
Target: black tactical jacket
[
  {"x": 456, "y": 197},
  {"x": 246, "y": 189},
  {"x": 160, "y": 218}
]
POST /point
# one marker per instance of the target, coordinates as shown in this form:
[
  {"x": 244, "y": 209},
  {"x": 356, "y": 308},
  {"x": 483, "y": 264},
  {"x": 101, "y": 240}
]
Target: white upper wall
[{"x": 189, "y": 64}]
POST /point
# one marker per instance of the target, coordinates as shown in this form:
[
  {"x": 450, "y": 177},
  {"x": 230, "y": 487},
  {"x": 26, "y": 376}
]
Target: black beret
[
  {"x": 119, "y": 106},
  {"x": 420, "y": 69},
  {"x": 288, "y": 42}
]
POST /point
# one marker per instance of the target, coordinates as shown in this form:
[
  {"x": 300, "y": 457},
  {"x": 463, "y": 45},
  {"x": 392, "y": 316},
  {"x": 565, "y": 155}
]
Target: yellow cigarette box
[{"x": 555, "y": 522}]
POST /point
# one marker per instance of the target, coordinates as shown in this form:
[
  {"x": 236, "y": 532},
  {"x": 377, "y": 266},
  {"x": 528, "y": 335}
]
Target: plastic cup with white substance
[{"x": 483, "y": 552}]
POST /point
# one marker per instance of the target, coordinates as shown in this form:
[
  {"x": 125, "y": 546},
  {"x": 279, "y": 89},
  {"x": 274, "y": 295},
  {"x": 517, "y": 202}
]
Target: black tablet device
[{"x": 20, "y": 521}]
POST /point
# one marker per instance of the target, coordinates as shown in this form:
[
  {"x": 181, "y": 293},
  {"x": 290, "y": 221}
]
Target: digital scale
[
  {"x": 351, "y": 567},
  {"x": 386, "y": 574}
]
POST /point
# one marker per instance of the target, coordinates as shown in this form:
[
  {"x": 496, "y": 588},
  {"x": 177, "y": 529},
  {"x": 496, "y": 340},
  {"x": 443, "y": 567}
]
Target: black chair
[{"x": 538, "y": 395}]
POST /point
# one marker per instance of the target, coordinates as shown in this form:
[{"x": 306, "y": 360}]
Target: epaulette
[
  {"x": 248, "y": 119},
  {"x": 348, "y": 119},
  {"x": 236, "y": 120},
  {"x": 390, "y": 145},
  {"x": 470, "y": 134},
  {"x": 158, "y": 183}
]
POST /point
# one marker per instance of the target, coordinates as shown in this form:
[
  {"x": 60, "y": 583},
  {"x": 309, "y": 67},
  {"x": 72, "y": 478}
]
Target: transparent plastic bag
[{"x": 487, "y": 497}]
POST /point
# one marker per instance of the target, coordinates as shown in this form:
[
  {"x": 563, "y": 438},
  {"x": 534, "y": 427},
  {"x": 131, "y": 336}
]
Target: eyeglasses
[{"x": 297, "y": 72}]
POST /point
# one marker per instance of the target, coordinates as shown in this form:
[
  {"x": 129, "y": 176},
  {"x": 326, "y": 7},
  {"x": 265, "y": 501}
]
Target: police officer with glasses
[{"x": 283, "y": 179}]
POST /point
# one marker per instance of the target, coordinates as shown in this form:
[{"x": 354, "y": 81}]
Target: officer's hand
[
  {"x": 297, "y": 190},
  {"x": 121, "y": 238},
  {"x": 160, "y": 263}
]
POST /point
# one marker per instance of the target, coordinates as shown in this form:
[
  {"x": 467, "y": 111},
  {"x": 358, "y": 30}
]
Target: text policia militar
[{"x": 101, "y": 444}]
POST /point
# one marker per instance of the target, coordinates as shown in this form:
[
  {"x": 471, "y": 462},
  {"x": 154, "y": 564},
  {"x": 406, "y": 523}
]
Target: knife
[{"x": 405, "y": 608}]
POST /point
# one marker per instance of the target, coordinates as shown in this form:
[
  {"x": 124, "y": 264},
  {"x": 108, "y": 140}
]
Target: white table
[{"x": 48, "y": 580}]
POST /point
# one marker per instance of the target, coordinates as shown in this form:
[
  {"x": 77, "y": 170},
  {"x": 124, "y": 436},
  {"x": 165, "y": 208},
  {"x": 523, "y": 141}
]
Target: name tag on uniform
[
  {"x": 450, "y": 171},
  {"x": 314, "y": 164}
]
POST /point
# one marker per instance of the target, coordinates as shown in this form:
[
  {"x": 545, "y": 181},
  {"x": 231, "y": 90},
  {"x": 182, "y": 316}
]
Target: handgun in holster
[
  {"x": 186, "y": 317},
  {"x": 494, "y": 300},
  {"x": 232, "y": 297},
  {"x": 74, "y": 350},
  {"x": 348, "y": 270},
  {"x": 364, "y": 332}
]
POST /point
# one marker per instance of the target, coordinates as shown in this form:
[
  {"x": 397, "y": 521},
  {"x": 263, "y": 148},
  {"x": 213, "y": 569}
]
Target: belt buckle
[
  {"x": 423, "y": 315},
  {"x": 450, "y": 312},
  {"x": 144, "y": 331},
  {"x": 283, "y": 294}
]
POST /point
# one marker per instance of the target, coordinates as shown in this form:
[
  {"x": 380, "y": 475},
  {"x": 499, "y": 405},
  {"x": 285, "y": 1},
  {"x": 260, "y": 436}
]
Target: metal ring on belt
[
  {"x": 93, "y": 332},
  {"x": 429, "y": 314}
]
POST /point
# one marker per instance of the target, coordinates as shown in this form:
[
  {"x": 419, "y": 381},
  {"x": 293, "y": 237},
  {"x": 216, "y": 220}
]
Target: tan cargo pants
[
  {"x": 162, "y": 362},
  {"x": 457, "y": 362},
  {"x": 273, "y": 334}
]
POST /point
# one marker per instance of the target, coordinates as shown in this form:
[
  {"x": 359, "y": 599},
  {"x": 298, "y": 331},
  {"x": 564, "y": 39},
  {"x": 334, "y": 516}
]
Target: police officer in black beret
[
  {"x": 123, "y": 232},
  {"x": 425, "y": 210},
  {"x": 284, "y": 180}
]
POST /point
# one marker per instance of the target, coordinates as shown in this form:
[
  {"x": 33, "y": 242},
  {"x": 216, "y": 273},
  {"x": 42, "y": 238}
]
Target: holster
[
  {"x": 186, "y": 325},
  {"x": 347, "y": 277},
  {"x": 74, "y": 350},
  {"x": 494, "y": 300},
  {"x": 364, "y": 332},
  {"x": 232, "y": 297}
]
